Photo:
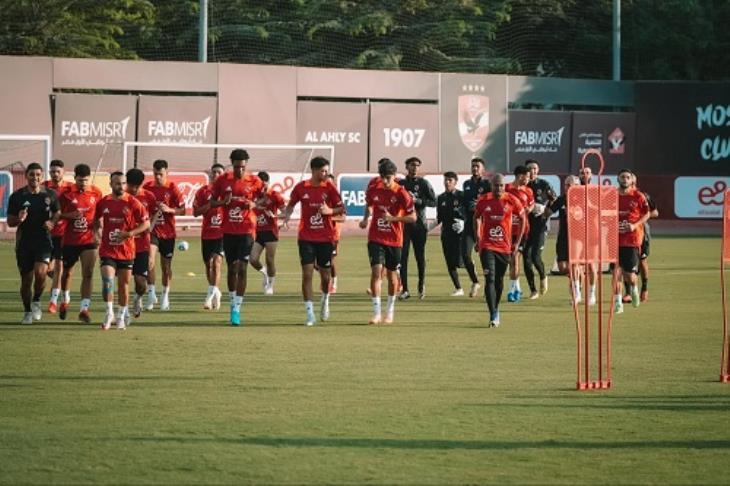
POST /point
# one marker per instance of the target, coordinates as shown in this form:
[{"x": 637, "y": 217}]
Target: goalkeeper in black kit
[{"x": 450, "y": 215}]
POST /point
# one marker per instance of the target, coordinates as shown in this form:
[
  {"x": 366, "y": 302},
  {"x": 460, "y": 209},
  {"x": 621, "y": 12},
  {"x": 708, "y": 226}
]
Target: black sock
[{"x": 644, "y": 284}]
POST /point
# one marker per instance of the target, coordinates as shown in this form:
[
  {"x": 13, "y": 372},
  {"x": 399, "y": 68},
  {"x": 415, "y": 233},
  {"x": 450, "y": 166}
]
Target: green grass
[{"x": 435, "y": 398}]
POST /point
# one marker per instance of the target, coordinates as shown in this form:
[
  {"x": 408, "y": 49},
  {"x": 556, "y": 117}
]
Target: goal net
[
  {"x": 16, "y": 152},
  {"x": 189, "y": 164}
]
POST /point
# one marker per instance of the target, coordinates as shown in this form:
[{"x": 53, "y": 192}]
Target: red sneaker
[
  {"x": 626, "y": 299},
  {"x": 84, "y": 316},
  {"x": 52, "y": 307},
  {"x": 63, "y": 310}
]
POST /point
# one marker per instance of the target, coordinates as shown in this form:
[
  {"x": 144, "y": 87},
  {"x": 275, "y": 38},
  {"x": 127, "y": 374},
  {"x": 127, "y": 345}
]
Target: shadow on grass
[{"x": 415, "y": 444}]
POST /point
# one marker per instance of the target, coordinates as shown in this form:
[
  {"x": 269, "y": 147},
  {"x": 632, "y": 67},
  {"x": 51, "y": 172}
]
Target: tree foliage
[{"x": 662, "y": 39}]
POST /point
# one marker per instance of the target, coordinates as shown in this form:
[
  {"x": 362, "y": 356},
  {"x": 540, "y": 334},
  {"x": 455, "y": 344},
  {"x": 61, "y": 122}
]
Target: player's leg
[
  {"x": 124, "y": 274},
  {"x": 259, "y": 246},
  {"x": 167, "y": 251},
  {"x": 40, "y": 273},
  {"x": 490, "y": 290},
  {"x": 529, "y": 271},
  {"x": 333, "y": 270},
  {"x": 405, "y": 254},
  {"x": 515, "y": 292},
  {"x": 88, "y": 261},
  {"x": 71, "y": 256},
  {"x": 644, "y": 268},
  {"x": 419, "y": 239},
  {"x": 467, "y": 247},
  {"x": 25, "y": 260},
  {"x": 536, "y": 258},
  {"x": 501, "y": 262},
  {"x": 324, "y": 263},
  {"x": 376, "y": 255},
  {"x": 54, "y": 272},
  {"x": 152, "y": 273},
  {"x": 140, "y": 268},
  {"x": 307, "y": 259},
  {"x": 451, "y": 257},
  {"x": 270, "y": 254},
  {"x": 630, "y": 275},
  {"x": 392, "y": 263},
  {"x": 108, "y": 272}
]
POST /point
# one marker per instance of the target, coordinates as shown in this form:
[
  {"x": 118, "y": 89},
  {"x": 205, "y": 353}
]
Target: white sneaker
[
  {"x": 375, "y": 319},
  {"x": 310, "y": 319},
  {"x": 216, "y": 300},
  {"x": 208, "y": 303},
  {"x": 388, "y": 318},
  {"x": 137, "y": 306},
  {"x": 457, "y": 293},
  {"x": 151, "y": 301},
  {"x": 269, "y": 290},
  {"x": 121, "y": 325},
  {"x": 474, "y": 291},
  {"x": 324, "y": 312},
  {"x": 264, "y": 278},
  {"x": 165, "y": 305},
  {"x": 534, "y": 295},
  {"x": 108, "y": 319},
  {"x": 618, "y": 307},
  {"x": 27, "y": 318},
  {"x": 35, "y": 308}
]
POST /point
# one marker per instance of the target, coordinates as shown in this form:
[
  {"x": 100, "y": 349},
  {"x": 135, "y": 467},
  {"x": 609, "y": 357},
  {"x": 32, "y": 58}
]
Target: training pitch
[{"x": 437, "y": 397}]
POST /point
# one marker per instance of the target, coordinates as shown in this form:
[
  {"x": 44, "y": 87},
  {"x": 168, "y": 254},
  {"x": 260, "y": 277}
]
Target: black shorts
[
  {"x": 379, "y": 254},
  {"x": 451, "y": 247},
  {"x": 165, "y": 247},
  {"x": 141, "y": 263},
  {"x": 316, "y": 251},
  {"x": 208, "y": 248},
  {"x": 72, "y": 253},
  {"x": 56, "y": 253},
  {"x": 237, "y": 247},
  {"x": 495, "y": 262},
  {"x": 263, "y": 237},
  {"x": 116, "y": 264},
  {"x": 628, "y": 258},
  {"x": 27, "y": 254},
  {"x": 561, "y": 248}
]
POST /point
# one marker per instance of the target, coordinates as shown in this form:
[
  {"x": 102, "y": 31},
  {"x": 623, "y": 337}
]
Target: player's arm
[
  {"x": 523, "y": 226},
  {"x": 55, "y": 213},
  {"x": 439, "y": 218},
  {"x": 365, "y": 217},
  {"x": 96, "y": 228},
  {"x": 144, "y": 224},
  {"x": 200, "y": 209},
  {"x": 337, "y": 207},
  {"x": 16, "y": 215},
  {"x": 428, "y": 197}
]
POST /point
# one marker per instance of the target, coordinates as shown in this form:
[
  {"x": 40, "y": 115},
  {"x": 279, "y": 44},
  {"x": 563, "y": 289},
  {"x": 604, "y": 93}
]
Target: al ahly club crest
[{"x": 473, "y": 120}]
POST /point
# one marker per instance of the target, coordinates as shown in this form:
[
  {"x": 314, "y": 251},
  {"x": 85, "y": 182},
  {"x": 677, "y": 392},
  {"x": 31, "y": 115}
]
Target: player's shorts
[
  {"x": 263, "y": 237},
  {"x": 27, "y": 254},
  {"x": 56, "y": 252},
  {"x": 116, "y": 264},
  {"x": 379, "y": 254},
  {"x": 451, "y": 247},
  {"x": 561, "y": 247},
  {"x": 208, "y": 248},
  {"x": 494, "y": 260},
  {"x": 72, "y": 253},
  {"x": 237, "y": 247},
  {"x": 316, "y": 251},
  {"x": 141, "y": 263},
  {"x": 165, "y": 246},
  {"x": 628, "y": 258}
]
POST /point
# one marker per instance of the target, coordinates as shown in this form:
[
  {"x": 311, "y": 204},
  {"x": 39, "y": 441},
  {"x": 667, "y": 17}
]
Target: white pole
[{"x": 203, "y": 32}]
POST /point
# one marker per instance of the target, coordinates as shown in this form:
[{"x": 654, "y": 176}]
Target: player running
[
  {"x": 119, "y": 218},
  {"x": 320, "y": 201},
  {"x": 55, "y": 269},
  {"x": 493, "y": 223},
  {"x": 473, "y": 188},
  {"x": 645, "y": 246},
  {"x": 211, "y": 237},
  {"x": 169, "y": 204},
  {"x": 450, "y": 215},
  {"x": 34, "y": 210},
  {"x": 416, "y": 233},
  {"x": 538, "y": 228},
  {"x": 392, "y": 207},
  {"x": 140, "y": 269},
  {"x": 237, "y": 192},
  {"x": 521, "y": 191},
  {"x": 267, "y": 233},
  {"x": 633, "y": 212},
  {"x": 78, "y": 204}
]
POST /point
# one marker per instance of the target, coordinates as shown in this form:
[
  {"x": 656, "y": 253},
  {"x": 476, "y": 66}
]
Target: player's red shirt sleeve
[
  {"x": 334, "y": 198},
  {"x": 295, "y": 195}
]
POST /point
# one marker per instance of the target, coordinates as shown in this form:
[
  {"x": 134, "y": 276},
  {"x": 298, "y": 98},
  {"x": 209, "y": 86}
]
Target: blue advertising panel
[
  {"x": 352, "y": 189},
  {"x": 6, "y": 188}
]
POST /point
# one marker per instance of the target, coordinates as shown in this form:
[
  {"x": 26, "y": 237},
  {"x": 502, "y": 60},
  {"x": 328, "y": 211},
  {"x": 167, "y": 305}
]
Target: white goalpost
[{"x": 24, "y": 149}]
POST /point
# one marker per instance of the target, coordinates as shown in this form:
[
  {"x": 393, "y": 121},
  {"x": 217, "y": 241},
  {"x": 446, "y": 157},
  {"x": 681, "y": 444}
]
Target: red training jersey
[
  {"x": 527, "y": 198},
  {"x": 313, "y": 225},
  {"x": 397, "y": 202},
  {"x": 169, "y": 194},
  {"x": 632, "y": 206},
  {"x": 267, "y": 214},
  {"x": 59, "y": 188},
  {"x": 212, "y": 218},
  {"x": 238, "y": 216},
  {"x": 123, "y": 214},
  {"x": 149, "y": 202},
  {"x": 79, "y": 231},
  {"x": 496, "y": 221}
]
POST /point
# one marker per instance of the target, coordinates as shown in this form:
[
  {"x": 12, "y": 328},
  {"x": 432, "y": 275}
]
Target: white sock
[
  {"x": 512, "y": 285},
  {"x": 123, "y": 311},
  {"x": 325, "y": 299},
  {"x": 576, "y": 288},
  {"x": 309, "y": 307},
  {"x": 67, "y": 296},
  {"x": 334, "y": 282},
  {"x": 151, "y": 290},
  {"x": 216, "y": 290},
  {"x": 376, "y": 306},
  {"x": 166, "y": 292},
  {"x": 517, "y": 285},
  {"x": 232, "y": 296},
  {"x": 54, "y": 295},
  {"x": 85, "y": 304},
  {"x": 211, "y": 291},
  {"x": 592, "y": 288},
  {"x": 109, "y": 307},
  {"x": 238, "y": 302},
  {"x": 271, "y": 281},
  {"x": 618, "y": 299},
  {"x": 390, "y": 307}
]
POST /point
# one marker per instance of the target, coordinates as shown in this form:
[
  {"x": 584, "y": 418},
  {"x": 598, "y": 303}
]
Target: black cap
[{"x": 239, "y": 154}]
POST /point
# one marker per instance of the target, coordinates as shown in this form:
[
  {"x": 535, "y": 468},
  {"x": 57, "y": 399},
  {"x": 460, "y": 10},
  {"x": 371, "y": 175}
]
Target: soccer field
[{"x": 436, "y": 397}]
